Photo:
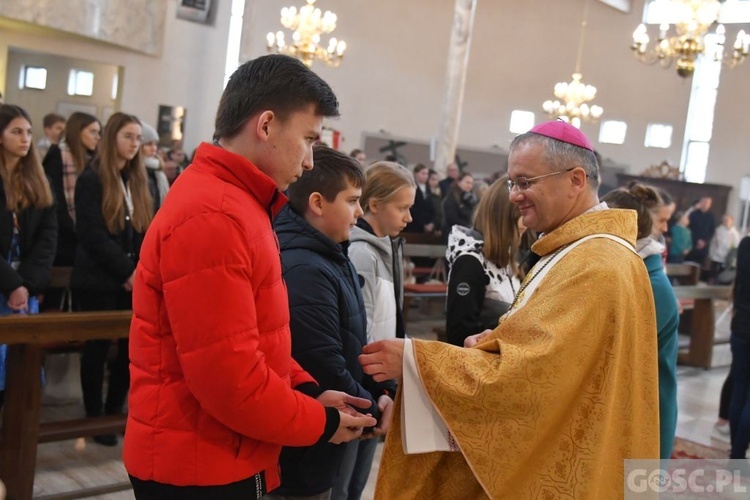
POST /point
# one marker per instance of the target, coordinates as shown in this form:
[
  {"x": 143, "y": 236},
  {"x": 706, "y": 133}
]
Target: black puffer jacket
[
  {"x": 38, "y": 240},
  {"x": 328, "y": 324},
  {"x": 741, "y": 317}
]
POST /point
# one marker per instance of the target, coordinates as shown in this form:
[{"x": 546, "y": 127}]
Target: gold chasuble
[{"x": 552, "y": 402}]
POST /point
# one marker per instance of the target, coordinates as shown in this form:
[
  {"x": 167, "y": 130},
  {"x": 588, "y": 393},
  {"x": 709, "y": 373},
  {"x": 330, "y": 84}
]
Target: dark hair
[
  {"x": 355, "y": 152},
  {"x": 332, "y": 172},
  {"x": 51, "y": 118},
  {"x": 455, "y": 190},
  {"x": 560, "y": 155},
  {"x": 278, "y": 83},
  {"x": 419, "y": 167},
  {"x": 391, "y": 157},
  {"x": 639, "y": 197},
  {"x": 73, "y": 128},
  {"x": 26, "y": 185}
]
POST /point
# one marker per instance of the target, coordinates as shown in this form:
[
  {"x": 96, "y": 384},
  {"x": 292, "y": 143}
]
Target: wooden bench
[
  {"x": 422, "y": 291},
  {"x": 700, "y": 349},
  {"x": 685, "y": 274},
  {"x": 437, "y": 252},
  {"x": 21, "y": 431},
  {"x": 437, "y": 273}
]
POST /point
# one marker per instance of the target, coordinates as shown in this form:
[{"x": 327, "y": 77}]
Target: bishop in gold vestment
[{"x": 550, "y": 403}]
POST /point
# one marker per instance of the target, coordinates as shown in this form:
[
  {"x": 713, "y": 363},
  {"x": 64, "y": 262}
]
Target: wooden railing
[
  {"x": 702, "y": 325},
  {"x": 21, "y": 431}
]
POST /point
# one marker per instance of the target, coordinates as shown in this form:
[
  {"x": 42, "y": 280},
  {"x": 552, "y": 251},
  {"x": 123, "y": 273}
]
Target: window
[
  {"x": 697, "y": 160},
  {"x": 705, "y": 84},
  {"x": 658, "y": 135},
  {"x": 612, "y": 132},
  {"x": 700, "y": 118},
  {"x": 234, "y": 38},
  {"x": 81, "y": 82},
  {"x": 115, "y": 86},
  {"x": 33, "y": 77},
  {"x": 521, "y": 121}
]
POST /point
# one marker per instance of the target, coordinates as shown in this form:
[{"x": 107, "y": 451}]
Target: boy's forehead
[{"x": 350, "y": 189}]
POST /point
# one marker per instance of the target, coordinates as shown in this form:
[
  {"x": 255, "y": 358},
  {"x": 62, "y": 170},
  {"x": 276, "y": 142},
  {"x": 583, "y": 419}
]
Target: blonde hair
[
  {"x": 384, "y": 180},
  {"x": 105, "y": 164},
  {"x": 496, "y": 219},
  {"x": 26, "y": 185}
]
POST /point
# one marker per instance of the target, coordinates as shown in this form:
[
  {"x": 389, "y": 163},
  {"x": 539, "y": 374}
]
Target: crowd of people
[{"x": 268, "y": 353}]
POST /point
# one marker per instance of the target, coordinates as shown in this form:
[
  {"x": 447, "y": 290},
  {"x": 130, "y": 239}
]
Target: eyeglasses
[{"x": 524, "y": 183}]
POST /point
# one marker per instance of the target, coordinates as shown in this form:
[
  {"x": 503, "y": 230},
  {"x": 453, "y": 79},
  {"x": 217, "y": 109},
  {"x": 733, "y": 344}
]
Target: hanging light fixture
[
  {"x": 572, "y": 103},
  {"x": 307, "y": 24},
  {"x": 692, "y": 20}
]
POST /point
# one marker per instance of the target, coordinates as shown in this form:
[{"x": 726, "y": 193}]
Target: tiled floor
[{"x": 76, "y": 464}]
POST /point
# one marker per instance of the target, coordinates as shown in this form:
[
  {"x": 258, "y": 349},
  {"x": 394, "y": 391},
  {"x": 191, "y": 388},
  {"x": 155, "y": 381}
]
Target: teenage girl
[
  {"x": 113, "y": 209},
  {"x": 28, "y": 226}
]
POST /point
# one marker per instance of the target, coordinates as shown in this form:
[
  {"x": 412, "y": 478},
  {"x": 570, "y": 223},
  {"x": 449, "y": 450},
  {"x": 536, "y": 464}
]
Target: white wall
[
  {"x": 189, "y": 72},
  {"x": 393, "y": 74},
  {"x": 38, "y": 103}
]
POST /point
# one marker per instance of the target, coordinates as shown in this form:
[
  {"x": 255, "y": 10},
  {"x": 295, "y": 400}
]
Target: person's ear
[
  {"x": 315, "y": 204},
  {"x": 263, "y": 125},
  {"x": 373, "y": 206},
  {"x": 578, "y": 178}
]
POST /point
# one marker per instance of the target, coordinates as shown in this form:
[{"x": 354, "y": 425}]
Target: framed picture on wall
[
  {"x": 621, "y": 5},
  {"x": 68, "y": 108}
]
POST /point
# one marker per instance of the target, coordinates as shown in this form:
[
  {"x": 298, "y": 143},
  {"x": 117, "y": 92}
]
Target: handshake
[{"x": 352, "y": 422}]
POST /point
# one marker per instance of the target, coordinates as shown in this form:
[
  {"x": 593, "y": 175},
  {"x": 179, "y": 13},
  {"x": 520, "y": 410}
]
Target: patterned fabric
[
  {"x": 464, "y": 241},
  {"x": 70, "y": 176},
  {"x": 551, "y": 403}
]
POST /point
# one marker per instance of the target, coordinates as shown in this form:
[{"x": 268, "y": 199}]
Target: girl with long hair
[
  {"x": 28, "y": 227},
  {"x": 484, "y": 272},
  {"x": 113, "y": 209},
  {"x": 63, "y": 164}
]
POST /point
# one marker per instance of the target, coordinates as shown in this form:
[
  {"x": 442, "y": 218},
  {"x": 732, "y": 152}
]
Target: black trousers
[
  {"x": 726, "y": 396},
  {"x": 251, "y": 488},
  {"x": 95, "y": 353}
]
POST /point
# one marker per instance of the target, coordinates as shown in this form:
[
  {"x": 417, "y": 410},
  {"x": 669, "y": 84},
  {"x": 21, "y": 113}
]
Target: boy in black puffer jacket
[{"x": 328, "y": 318}]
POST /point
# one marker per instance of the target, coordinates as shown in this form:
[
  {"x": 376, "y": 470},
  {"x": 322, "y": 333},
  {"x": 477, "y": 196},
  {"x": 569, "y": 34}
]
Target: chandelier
[
  {"x": 307, "y": 25},
  {"x": 573, "y": 97},
  {"x": 692, "y": 20}
]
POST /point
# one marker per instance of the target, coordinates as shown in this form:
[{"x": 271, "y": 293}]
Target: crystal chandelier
[
  {"x": 573, "y": 97},
  {"x": 307, "y": 25},
  {"x": 692, "y": 20}
]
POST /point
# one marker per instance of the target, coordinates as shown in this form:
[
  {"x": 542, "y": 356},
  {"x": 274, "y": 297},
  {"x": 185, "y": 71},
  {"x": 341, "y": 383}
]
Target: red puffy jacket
[{"x": 211, "y": 399}]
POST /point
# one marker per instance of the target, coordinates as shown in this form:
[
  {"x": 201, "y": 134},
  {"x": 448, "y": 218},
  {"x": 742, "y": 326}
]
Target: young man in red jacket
[{"x": 215, "y": 393}]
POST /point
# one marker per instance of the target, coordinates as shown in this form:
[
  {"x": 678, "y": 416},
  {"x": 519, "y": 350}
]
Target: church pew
[
  {"x": 438, "y": 273},
  {"x": 702, "y": 325},
  {"x": 21, "y": 431}
]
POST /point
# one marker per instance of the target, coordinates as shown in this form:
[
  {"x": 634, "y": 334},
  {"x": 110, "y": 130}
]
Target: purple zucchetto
[{"x": 564, "y": 132}]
